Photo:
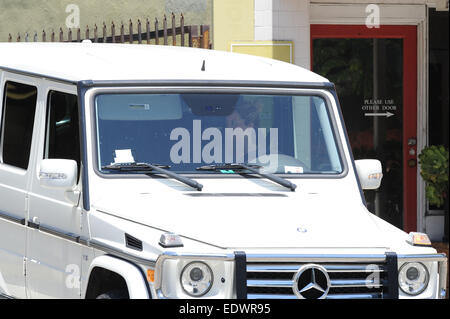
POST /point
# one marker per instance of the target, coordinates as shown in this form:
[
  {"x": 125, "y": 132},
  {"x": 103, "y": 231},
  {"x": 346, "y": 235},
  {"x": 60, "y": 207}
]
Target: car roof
[{"x": 138, "y": 62}]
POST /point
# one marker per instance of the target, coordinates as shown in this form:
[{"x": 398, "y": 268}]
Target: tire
[{"x": 115, "y": 294}]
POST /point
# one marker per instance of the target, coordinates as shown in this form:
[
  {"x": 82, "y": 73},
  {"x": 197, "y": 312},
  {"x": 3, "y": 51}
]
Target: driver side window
[{"x": 62, "y": 133}]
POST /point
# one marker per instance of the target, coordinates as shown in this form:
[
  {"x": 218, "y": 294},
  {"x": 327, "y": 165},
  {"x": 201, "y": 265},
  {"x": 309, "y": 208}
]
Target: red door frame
[{"x": 409, "y": 35}]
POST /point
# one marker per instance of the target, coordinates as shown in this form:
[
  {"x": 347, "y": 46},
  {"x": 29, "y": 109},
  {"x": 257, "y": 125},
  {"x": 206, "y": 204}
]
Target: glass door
[{"x": 375, "y": 74}]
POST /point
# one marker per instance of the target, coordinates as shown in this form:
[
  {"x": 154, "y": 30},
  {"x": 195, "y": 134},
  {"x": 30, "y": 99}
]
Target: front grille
[{"x": 276, "y": 280}]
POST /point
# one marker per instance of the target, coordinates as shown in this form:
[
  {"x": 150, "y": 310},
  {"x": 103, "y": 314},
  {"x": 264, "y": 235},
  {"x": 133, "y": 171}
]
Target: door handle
[{"x": 34, "y": 223}]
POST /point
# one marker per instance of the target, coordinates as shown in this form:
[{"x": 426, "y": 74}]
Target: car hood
[{"x": 271, "y": 220}]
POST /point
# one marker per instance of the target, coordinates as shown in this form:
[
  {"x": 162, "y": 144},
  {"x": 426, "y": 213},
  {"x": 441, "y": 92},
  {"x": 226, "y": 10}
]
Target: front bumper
[{"x": 355, "y": 276}]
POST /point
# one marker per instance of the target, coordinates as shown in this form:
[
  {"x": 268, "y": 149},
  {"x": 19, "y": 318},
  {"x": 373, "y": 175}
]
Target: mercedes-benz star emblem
[{"x": 311, "y": 282}]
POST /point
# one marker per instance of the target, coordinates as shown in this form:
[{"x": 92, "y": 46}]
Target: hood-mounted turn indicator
[{"x": 170, "y": 240}]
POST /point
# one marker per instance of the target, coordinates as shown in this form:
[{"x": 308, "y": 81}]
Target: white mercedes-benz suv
[{"x": 132, "y": 171}]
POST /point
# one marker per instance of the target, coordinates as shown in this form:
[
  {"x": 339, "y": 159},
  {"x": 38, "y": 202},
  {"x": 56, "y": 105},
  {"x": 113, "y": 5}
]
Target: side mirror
[
  {"x": 58, "y": 173},
  {"x": 370, "y": 173}
]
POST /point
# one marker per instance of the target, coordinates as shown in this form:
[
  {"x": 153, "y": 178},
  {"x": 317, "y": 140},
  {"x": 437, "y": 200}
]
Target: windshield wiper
[
  {"x": 161, "y": 169},
  {"x": 249, "y": 167}
]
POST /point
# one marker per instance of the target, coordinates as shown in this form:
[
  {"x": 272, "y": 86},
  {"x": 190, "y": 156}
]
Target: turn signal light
[
  {"x": 419, "y": 239},
  {"x": 170, "y": 240},
  {"x": 150, "y": 275},
  {"x": 377, "y": 176}
]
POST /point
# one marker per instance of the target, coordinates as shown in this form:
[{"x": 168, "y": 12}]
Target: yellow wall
[
  {"x": 233, "y": 20},
  {"x": 234, "y": 30},
  {"x": 279, "y": 50}
]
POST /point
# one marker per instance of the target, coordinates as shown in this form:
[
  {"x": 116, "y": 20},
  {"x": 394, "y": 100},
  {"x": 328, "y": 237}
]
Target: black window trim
[
  {"x": 315, "y": 91},
  {"x": 23, "y": 81},
  {"x": 49, "y": 90}
]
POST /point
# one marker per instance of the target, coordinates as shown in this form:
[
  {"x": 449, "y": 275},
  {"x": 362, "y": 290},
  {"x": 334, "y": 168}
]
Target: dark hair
[{"x": 248, "y": 112}]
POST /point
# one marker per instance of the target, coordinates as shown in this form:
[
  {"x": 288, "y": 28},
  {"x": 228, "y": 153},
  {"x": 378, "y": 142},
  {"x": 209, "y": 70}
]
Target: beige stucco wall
[
  {"x": 233, "y": 21},
  {"x": 33, "y": 16}
]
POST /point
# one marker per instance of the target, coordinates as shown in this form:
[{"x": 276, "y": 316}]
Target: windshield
[{"x": 284, "y": 134}]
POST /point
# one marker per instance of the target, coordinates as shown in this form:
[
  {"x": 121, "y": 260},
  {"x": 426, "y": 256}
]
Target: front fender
[{"x": 133, "y": 276}]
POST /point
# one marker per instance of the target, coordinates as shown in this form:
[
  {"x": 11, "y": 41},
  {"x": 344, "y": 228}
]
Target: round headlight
[
  {"x": 413, "y": 278},
  {"x": 196, "y": 279}
]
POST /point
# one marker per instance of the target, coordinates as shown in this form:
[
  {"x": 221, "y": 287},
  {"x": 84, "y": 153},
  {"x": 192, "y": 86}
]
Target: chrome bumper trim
[
  {"x": 329, "y": 268},
  {"x": 331, "y": 296},
  {"x": 315, "y": 258},
  {"x": 270, "y": 296},
  {"x": 355, "y": 296},
  {"x": 428, "y": 257},
  {"x": 335, "y": 283}
]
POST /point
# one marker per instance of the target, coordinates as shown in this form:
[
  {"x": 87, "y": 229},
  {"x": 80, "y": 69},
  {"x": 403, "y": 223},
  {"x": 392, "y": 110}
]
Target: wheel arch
[{"x": 104, "y": 266}]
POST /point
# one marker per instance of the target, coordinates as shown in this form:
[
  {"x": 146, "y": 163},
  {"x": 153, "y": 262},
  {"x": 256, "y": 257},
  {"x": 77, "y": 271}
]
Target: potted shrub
[{"x": 433, "y": 162}]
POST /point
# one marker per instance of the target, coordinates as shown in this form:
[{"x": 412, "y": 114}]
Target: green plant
[{"x": 434, "y": 170}]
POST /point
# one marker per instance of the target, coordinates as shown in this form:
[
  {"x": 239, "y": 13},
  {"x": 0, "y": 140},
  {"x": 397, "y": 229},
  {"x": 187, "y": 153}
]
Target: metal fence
[{"x": 146, "y": 33}]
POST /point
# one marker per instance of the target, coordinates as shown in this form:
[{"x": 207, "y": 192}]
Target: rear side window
[
  {"x": 19, "y": 108},
  {"x": 62, "y": 137}
]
